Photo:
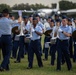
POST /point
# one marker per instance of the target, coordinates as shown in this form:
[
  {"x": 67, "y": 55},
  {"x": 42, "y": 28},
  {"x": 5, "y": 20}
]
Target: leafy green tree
[
  {"x": 26, "y": 6},
  {"x": 3, "y": 6},
  {"x": 65, "y": 5}
]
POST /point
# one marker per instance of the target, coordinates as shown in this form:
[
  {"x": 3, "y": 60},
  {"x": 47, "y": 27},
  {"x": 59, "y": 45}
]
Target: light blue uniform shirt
[
  {"x": 35, "y": 36},
  {"x": 73, "y": 29},
  {"x": 27, "y": 27},
  {"x": 5, "y": 26},
  {"x": 65, "y": 29},
  {"x": 41, "y": 25}
]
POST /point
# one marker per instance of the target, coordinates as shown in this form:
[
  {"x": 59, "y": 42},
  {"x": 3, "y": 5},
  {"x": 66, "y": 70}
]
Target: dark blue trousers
[
  {"x": 26, "y": 48},
  {"x": 53, "y": 51},
  {"x": 47, "y": 39},
  {"x": 15, "y": 48},
  {"x": 63, "y": 47},
  {"x": 40, "y": 47},
  {"x": 6, "y": 50},
  {"x": 34, "y": 48},
  {"x": 0, "y": 43},
  {"x": 71, "y": 47},
  {"x": 21, "y": 48},
  {"x": 74, "y": 56}
]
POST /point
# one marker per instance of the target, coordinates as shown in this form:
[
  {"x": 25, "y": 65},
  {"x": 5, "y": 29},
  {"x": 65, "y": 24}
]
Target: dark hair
[{"x": 5, "y": 11}]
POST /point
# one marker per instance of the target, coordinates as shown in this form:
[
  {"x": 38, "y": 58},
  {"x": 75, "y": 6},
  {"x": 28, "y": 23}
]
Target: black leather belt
[
  {"x": 63, "y": 40},
  {"x": 35, "y": 40},
  {"x": 6, "y": 35}
]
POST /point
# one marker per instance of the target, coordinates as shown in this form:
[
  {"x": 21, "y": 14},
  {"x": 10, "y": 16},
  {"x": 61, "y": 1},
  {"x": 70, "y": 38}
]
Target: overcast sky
[{"x": 45, "y": 2}]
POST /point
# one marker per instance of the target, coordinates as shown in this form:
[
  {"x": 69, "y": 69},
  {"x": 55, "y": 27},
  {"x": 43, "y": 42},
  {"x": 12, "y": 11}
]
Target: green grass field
[{"x": 20, "y": 68}]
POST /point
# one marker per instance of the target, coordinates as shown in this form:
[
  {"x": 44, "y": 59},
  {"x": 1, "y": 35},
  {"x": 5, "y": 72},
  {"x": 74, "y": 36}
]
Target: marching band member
[
  {"x": 70, "y": 40},
  {"x": 56, "y": 16},
  {"x": 0, "y": 31},
  {"x": 35, "y": 45},
  {"x": 63, "y": 43},
  {"x": 42, "y": 26},
  {"x": 46, "y": 27},
  {"x": 22, "y": 44},
  {"x": 47, "y": 39},
  {"x": 53, "y": 47},
  {"x": 6, "y": 41},
  {"x": 30, "y": 19},
  {"x": 75, "y": 22},
  {"x": 15, "y": 39},
  {"x": 74, "y": 44}
]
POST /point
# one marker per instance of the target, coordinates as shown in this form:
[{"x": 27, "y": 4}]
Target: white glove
[
  {"x": 60, "y": 30},
  {"x": 33, "y": 30},
  {"x": 53, "y": 38},
  {"x": 20, "y": 13}
]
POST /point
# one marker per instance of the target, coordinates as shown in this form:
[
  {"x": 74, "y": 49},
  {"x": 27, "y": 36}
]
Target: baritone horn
[
  {"x": 21, "y": 23},
  {"x": 16, "y": 29},
  {"x": 54, "y": 35}
]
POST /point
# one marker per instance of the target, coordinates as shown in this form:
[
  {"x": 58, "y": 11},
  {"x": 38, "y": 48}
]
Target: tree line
[{"x": 63, "y": 4}]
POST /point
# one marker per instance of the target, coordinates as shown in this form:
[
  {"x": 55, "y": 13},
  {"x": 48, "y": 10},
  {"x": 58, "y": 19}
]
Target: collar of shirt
[{"x": 64, "y": 26}]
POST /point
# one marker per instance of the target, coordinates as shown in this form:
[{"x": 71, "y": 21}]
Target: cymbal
[
  {"x": 47, "y": 33},
  {"x": 74, "y": 34},
  {"x": 14, "y": 30}
]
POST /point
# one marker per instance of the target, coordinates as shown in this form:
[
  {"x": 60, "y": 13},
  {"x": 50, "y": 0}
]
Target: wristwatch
[{"x": 62, "y": 31}]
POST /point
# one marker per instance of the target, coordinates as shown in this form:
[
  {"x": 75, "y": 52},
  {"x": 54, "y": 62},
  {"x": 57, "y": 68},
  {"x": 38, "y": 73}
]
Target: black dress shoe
[
  {"x": 58, "y": 69},
  {"x": 74, "y": 60},
  {"x": 2, "y": 69},
  {"x": 40, "y": 66},
  {"x": 29, "y": 68},
  {"x": 7, "y": 68},
  {"x": 70, "y": 69},
  {"x": 16, "y": 61},
  {"x": 45, "y": 59}
]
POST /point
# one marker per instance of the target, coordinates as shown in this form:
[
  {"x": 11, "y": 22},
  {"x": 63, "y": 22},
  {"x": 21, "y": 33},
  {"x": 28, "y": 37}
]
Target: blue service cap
[
  {"x": 36, "y": 15},
  {"x": 56, "y": 15},
  {"x": 11, "y": 15},
  {"x": 30, "y": 15},
  {"x": 25, "y": 17},
  {"x": 5, "y": 11},
  {"x": 58, "y": 20},
  {"x": 74, "y": 18},
  {"x": 64, "y": 17},
  {"x": 70, "y": 20},
  {"x": 49, "y": 17},
  {"x": 52, "y": 21},
  {"x": 34, "y": 18}
]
